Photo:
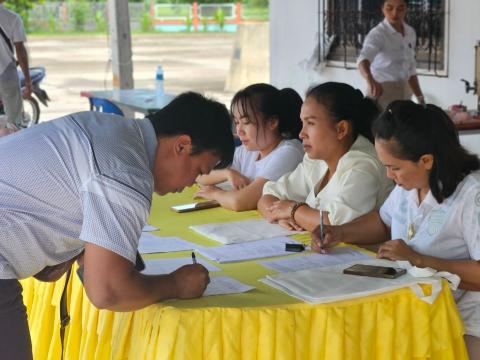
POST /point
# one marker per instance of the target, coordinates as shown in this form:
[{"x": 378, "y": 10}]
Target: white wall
[{"x": 293, "y": 32}]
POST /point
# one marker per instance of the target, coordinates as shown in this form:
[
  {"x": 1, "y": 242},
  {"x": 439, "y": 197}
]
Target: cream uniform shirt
[
  {"x": 358, "y": 186},
  {"x": 450, "y": 230}
]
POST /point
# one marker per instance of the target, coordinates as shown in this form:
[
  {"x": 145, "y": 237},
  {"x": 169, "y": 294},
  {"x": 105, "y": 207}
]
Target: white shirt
[
  {"x": 12, "y": 25},
  {"x": 86, "y": 179},
  {"x": 391, "y": 55},
  {"x": 358, "y": 186},
  {"x": 450, "y": 230},
  {"x": 284, "y": 158}
]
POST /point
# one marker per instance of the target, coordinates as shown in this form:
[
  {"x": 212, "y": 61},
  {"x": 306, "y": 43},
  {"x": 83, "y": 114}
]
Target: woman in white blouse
[
  {"x": 387, "y": 59},
  {"x": 433, "y": 214},
  {"x": 340, "y": 172},
  {"x": 267, "y": 122}
]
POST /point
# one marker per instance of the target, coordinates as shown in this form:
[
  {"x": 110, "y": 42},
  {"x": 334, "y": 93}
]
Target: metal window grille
[{"x": 343, "y": 25}]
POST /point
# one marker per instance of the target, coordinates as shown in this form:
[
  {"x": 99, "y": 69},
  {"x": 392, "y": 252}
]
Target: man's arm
[
  {"x": 22, "y": 58},
  {"x": 112, "y": 283}
]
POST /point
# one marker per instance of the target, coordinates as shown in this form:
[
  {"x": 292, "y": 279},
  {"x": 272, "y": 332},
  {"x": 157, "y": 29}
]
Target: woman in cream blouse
[{"x": 340, "y": 172}]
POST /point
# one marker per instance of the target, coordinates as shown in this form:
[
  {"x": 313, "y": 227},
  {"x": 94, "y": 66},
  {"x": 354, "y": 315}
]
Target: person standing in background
[
  {"x": 387, "y": 58},
  {"x": 12, "y": 41}
]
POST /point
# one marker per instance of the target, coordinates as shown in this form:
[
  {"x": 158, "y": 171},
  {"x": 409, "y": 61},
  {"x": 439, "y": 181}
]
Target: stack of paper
[
  {"x": 328, "y": 284},
  {"x": 340, "y": 255},
  {"x": 249, "y": 251},
  {"x": 149, "y": 244},
  {"x": 241, "y": 231}
]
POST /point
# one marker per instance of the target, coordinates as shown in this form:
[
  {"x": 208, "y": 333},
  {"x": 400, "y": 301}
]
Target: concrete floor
[{"x": 198, "y": 62}]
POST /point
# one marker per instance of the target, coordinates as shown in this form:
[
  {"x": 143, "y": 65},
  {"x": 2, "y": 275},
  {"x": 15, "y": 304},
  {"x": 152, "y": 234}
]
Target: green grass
[{"x": 255, "y": 13}]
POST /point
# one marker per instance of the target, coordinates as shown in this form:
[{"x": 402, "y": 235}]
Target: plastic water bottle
[{"x": 159, "y": 91}]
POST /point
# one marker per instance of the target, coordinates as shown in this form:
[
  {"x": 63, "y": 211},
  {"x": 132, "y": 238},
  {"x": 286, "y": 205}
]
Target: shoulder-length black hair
[
  {"x": 266, "y": 102},
  {"x": 416, "y": 131}
]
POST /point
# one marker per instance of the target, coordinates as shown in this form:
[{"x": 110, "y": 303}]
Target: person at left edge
[
  {"x": 12, "y": 39},
  {"x": 87, "y": 186}
]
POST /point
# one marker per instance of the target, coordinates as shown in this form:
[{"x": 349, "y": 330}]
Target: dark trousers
[{"x": 15, "y": 343}]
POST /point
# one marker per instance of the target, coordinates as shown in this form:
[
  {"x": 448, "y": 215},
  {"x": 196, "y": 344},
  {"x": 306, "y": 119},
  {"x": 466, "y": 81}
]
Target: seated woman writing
[
  {"x": 340, "y": 172},
  {"x": 267, "y": 122},
  {"x": 432, "y": 217}
]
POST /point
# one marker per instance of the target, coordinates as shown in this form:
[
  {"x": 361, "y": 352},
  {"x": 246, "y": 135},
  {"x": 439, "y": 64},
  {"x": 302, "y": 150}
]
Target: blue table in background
[{"x": 138, "y": 100}]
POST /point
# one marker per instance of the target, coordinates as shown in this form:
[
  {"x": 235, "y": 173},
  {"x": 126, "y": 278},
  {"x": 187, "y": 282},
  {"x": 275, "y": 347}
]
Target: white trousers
[{"x": 10, "y": 94}]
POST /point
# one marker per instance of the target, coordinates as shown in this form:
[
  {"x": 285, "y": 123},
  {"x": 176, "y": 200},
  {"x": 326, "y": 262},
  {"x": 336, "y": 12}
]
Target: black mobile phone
[
  {"x": 375, "y": 271},
  {"x": 195, "y": 206}
]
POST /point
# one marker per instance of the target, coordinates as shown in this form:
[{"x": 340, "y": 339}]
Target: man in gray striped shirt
[{"x": 83, "y": 184}]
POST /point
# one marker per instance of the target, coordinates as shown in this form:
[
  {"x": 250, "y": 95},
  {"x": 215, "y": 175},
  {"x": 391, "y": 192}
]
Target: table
[
  {"x": 261, "y": 324},
  {"x": 139, "y": 100}
]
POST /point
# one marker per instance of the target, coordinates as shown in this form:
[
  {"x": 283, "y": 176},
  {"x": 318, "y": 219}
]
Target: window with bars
[{"x": 343, "y": 25}]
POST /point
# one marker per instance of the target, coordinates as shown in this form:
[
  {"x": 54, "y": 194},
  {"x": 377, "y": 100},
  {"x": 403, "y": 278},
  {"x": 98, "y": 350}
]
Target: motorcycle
[{"x": 31, "y": 108}]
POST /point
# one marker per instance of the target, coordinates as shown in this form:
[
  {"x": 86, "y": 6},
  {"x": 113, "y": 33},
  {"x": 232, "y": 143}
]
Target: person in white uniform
[
  {"x": 387, "y": 59},
  {"x": 12, "y": 39},
  {"x": 340, "y": 173},
  {"x": 267, "y": 122},
  {"x": 432, "y": 217},
  {"x": 87, "y": 189}
]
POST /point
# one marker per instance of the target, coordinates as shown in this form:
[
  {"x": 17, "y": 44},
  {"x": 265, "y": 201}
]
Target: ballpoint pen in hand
[{"x": 194, "y": 258}]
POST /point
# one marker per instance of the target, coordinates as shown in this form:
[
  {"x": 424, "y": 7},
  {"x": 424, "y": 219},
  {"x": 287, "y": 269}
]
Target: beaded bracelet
[{"x": 294, "y": 210}]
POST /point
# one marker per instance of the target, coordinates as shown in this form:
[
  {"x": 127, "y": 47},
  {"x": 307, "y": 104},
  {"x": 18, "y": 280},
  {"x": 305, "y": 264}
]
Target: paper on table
[
  {"x": 327, "y": 284},
  {"x": 252, "y": 250},
  {"x": 149, "y": 244},
  {"x": 241, "y": 231},
  {"x": 149, "y": 227},
  {"x": 340, "y": 255},
  {"x": 166, "y": 266},
  {"x": 221, "y": 285}
]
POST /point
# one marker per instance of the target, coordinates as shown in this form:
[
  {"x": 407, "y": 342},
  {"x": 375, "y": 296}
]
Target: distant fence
[{"x": 90, "y": 16}]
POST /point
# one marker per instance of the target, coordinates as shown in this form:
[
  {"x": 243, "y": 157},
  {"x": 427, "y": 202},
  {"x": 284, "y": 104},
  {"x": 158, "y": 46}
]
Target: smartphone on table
[
  {"x": 375, "y": 271},
  {"x": 195, "y": 206}
]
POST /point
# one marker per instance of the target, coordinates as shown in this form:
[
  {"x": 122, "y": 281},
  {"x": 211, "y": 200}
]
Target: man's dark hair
[
  {"x": 206, "y": 121},
  {"x": 415, "y": 131}
]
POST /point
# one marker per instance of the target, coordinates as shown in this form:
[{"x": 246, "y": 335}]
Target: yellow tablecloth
[{"x": 261, "y": 324}]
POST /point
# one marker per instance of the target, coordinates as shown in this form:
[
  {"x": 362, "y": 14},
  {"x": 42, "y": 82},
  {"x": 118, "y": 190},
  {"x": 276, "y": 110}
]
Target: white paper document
[
  {"x": 340, "y": 255},
  {"x": 166, "y": 266},
  {"x": 149, "y": 244},
  {"x": 241, "y": 231},
  {"x": 248, "y": 251},
  {"x": 222, "y": 285},
  {"x": 328, "y": 284},
  {"x": 149, "y": 227}
]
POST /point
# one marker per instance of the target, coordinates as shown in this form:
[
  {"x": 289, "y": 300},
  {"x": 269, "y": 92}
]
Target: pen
[
  {"x": 321, "y": 228},
  {"x": 194, "y": 258}
]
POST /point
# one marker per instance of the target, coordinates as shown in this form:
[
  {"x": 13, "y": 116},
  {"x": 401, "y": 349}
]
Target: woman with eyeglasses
[{"x": 432, "y": 217}]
